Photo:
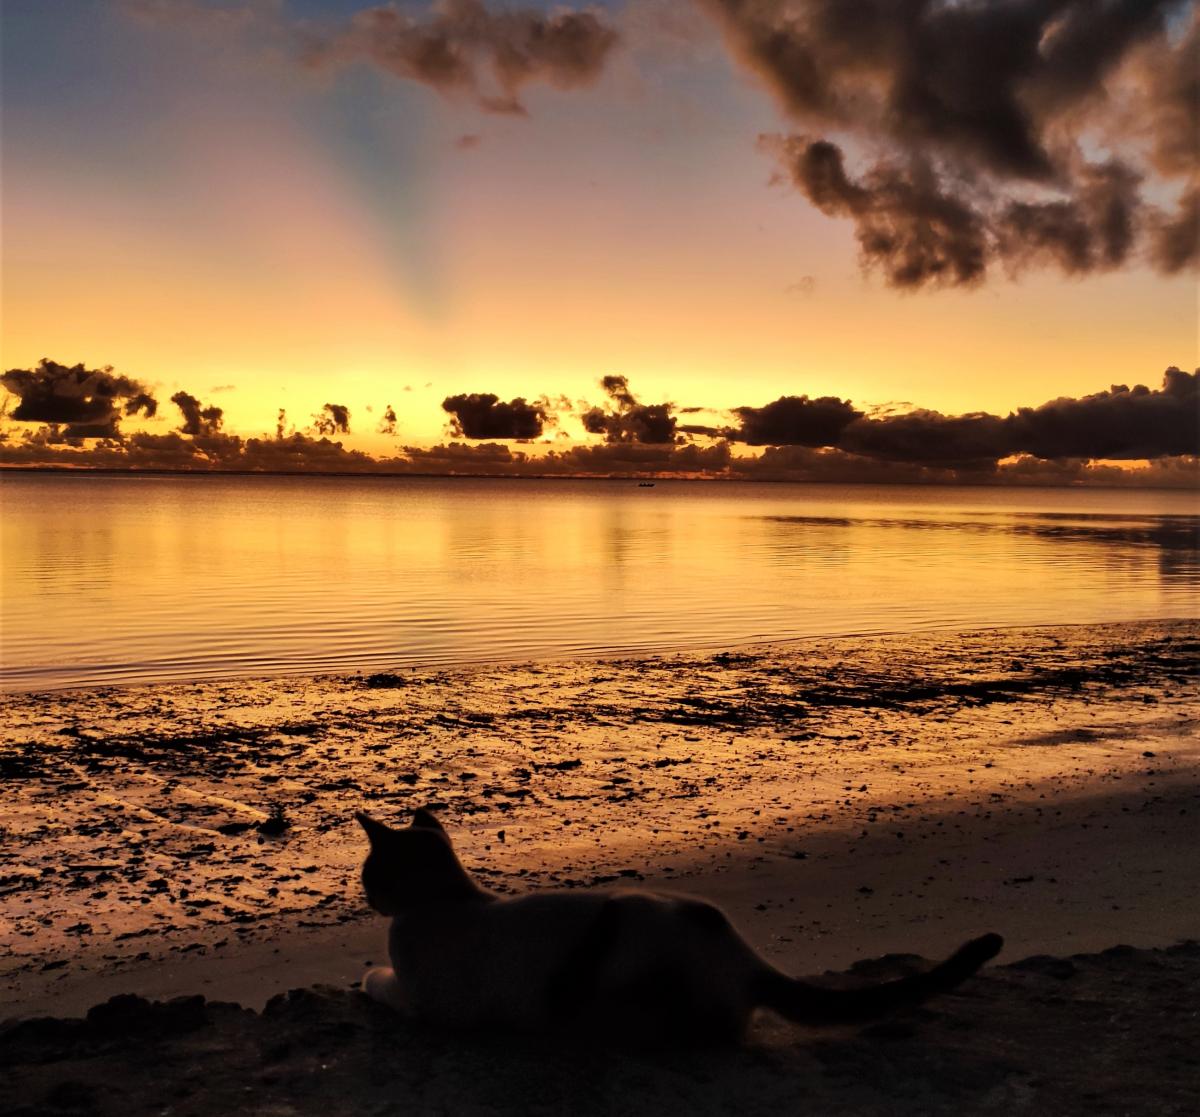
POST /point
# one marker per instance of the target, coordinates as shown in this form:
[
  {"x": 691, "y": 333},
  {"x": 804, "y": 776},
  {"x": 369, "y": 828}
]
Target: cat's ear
[
  {"x": 424, "y": 820},
  {"x": 376, "y": 831}
]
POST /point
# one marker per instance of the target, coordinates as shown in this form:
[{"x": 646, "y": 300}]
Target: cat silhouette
[{"x": 636, "y": 967}]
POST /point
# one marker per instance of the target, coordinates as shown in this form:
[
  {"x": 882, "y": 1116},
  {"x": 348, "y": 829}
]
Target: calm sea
[{"x": 112, "y": 580}]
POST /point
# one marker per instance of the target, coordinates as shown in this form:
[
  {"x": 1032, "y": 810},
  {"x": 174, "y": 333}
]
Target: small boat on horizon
[{"x": 645, "y": 484}]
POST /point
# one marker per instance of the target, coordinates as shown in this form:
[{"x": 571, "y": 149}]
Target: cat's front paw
[{"x": 380, "y": 985}]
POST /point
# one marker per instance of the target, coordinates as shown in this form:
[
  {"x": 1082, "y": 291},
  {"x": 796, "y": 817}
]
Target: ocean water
[{"x": 139, "y": 579}]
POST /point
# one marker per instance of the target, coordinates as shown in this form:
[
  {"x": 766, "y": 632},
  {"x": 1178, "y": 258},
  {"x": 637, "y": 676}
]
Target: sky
[{"x": 636, "y": 225}]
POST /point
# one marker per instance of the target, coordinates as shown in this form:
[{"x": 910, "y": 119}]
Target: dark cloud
[
  {"x": 387, "y": 425},
  {"x": 918, "y": 230},
  {"x": 197, "y": 419},
  {"x": 983, "y": 82},
  {"x": 906, "y": 222},
  {"x": 143, "y": 402},
  {"x": 618, "y": 391},
  {"x": 972, "y": 120},
  {"x": 649, "y": 423},
  {"x": 460, "y": 48},
  {"x": 333, "y": 418},
  {"x": 795, "y": 421},
  {"x": 484, "y": 415},
  {"x": 1121, "y": 423},
  {"x": 464, "y": 48},
  {"x": 1169, "y": 110},
  {"x": 927, "y": 437},
  {"x": 629, "y": 421},
  {"x": 1092, "y": 231},
  {"x": 88, "y": 402},
  {"x": 1175, "y": 238}
]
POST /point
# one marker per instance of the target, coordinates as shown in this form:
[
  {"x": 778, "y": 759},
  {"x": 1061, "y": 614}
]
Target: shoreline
[
  {"x": 858, "y": 797},
  {"x": 698, "y": 650}
]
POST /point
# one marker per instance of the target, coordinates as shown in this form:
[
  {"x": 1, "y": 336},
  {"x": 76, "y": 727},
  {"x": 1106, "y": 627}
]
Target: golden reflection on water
[{"x": 130, "y": 579}]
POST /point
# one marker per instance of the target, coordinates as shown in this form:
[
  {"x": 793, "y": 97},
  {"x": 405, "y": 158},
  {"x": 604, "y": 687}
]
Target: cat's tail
[{"x": 805, "y": 1003}]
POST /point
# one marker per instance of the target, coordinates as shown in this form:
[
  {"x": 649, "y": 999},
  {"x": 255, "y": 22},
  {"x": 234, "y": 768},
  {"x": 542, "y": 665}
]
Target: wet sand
[{"x": 841, "y": 799}]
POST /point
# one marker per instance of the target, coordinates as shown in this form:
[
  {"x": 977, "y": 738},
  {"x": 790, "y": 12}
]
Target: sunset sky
[{"x": 279, "y": 204}]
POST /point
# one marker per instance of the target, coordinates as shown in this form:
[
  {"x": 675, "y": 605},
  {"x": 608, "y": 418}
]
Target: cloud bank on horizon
[{"x": 1065, "y": 440}]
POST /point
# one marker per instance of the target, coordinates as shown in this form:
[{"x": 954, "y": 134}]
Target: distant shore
[
  {"x": 840, "y": 799},
  {"x": 959, "y": 482}
]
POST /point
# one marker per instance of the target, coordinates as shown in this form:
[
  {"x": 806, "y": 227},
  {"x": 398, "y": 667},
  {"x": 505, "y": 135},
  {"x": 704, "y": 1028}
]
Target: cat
[{"x": 638, "y": 967}]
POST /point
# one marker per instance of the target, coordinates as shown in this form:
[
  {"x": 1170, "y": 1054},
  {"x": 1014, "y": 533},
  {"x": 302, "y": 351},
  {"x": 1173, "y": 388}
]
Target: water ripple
[{"x": 117, "y": 580}]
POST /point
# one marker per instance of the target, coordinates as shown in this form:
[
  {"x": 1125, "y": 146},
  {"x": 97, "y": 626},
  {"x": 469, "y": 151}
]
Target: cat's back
[
  {"x": 500, "y": 959},
  {"x": 538, "y": 925},
  {"x": 524, "y": 933},
  {"x": 490, "y": 960}
]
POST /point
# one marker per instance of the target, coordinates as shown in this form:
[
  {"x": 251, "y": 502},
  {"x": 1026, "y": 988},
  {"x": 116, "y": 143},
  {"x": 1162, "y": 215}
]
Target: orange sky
[{"x": 202, "y": 216}]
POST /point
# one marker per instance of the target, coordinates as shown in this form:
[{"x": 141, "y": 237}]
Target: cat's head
[{"x": 411, "y": 865}]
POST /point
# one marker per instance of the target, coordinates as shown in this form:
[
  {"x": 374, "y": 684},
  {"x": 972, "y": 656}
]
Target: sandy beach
[{"x": 841, "y": 799}]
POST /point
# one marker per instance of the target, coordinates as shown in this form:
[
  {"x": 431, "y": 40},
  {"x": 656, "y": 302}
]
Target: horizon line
[{"x": 632, "y": 477}]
